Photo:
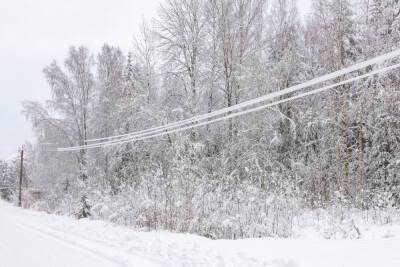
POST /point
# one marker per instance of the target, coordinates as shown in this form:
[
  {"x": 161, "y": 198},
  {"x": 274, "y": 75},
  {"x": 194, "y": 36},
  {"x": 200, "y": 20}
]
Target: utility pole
[{"x": 21, "y": 171}]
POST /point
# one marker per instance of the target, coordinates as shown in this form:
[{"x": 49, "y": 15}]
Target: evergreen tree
[{"x": 84, "y": 209}]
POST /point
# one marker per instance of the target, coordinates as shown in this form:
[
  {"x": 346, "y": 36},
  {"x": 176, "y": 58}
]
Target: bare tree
[
  {"x": 68, "y": 112},
  {"x": 180, "y": 29}
]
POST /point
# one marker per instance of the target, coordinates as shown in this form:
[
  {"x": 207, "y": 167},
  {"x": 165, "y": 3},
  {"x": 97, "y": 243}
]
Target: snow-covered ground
[{"x": 35, "y": 239}]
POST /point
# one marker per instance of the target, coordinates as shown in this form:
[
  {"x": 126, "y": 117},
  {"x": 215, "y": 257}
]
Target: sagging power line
[
  {"x": 283, "y": 92},
  {"x": 196, "y": 121}
]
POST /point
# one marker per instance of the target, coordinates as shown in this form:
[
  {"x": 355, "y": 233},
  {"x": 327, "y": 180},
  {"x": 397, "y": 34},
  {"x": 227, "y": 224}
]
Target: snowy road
[
  {"x": 35, "y": 239},
  {"x": 22, "y": 244},
  {"x": 20, "y": 247}
]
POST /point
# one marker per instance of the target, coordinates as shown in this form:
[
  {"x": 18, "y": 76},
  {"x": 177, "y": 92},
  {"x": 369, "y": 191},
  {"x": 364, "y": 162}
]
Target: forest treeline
[{"x": 245, "y": 177}]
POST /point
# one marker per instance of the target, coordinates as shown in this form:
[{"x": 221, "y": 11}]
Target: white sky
[{"x": 34, "y": 32}]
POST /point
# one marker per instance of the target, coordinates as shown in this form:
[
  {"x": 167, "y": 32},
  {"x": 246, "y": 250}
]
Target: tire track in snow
[
  {"x": 98, "y": 249},
  {"x": 125, "y": 247}
]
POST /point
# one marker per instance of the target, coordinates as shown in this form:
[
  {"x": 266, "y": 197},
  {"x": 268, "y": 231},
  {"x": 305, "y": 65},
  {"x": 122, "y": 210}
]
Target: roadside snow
[{"x": 32, "y": 239}]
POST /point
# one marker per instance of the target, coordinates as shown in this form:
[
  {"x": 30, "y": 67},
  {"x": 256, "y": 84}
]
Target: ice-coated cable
[
  {"x": 312, "y": 92},
  {"x": 245, "y": 104}
]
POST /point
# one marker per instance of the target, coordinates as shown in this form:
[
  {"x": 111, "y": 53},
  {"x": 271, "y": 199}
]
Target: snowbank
[{"x": 125, "y": 247}]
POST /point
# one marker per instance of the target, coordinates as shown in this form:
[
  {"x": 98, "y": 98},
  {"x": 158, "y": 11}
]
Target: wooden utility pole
[{"x": 21, "y": 171}]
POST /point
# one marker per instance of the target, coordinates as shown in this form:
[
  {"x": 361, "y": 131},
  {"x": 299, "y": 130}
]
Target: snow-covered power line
[
  {"x": 251, "y": 102},
  {"x": 232, "y": 115}
]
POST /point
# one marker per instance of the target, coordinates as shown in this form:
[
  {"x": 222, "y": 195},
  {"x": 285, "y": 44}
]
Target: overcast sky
[{"x": 34, "y": 32}]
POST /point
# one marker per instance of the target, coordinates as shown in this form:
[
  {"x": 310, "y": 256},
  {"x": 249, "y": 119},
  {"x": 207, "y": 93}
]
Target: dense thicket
[
  {"x": 248, "y": 176},
  {"x": 6, "y": 174}
]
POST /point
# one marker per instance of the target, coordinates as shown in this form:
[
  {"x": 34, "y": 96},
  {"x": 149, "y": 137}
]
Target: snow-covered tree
[{"x": 248, "y": 176}]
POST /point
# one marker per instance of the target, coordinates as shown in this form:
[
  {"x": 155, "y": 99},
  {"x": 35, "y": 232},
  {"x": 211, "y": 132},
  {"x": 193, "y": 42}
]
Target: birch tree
[
  {"x": 337, "y": 48},
  {"x": 68, "y": 111}
]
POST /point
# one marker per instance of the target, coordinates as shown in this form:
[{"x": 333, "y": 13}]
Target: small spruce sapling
[{"x": 84, "y": 211}]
